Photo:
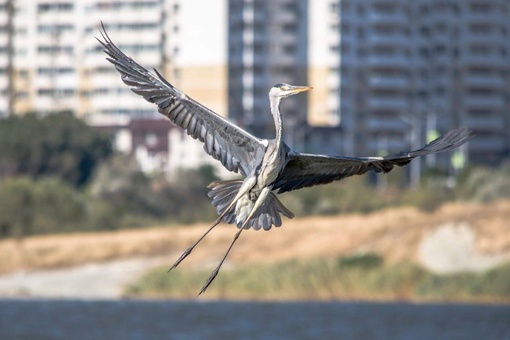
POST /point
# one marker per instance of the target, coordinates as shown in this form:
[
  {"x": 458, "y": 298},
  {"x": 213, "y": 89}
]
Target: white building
[
  {"x": 59, "y": 65},
  {"x": 5, "y": 57}
]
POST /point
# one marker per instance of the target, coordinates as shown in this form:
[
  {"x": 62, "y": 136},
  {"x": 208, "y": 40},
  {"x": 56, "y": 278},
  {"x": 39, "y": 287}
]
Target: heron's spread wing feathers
[
  {"x": 306, "y": 170},
  {"x": 235, "y": 148}
]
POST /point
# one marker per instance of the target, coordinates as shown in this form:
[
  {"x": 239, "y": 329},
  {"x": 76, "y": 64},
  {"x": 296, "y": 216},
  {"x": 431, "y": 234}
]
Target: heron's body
[
  {"x": 260, "y": 182},
  {"x": 268, "y": 166}
]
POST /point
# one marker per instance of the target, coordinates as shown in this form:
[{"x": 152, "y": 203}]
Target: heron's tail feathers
[{"x": 223, "y": 192}]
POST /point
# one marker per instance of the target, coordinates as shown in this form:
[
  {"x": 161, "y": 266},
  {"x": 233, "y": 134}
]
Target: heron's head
[{"x": 283, "y": 90}]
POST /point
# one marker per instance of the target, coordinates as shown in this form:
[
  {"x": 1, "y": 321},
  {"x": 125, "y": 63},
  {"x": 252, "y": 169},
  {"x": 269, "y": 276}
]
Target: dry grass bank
[{"x": 393, "y": 233}]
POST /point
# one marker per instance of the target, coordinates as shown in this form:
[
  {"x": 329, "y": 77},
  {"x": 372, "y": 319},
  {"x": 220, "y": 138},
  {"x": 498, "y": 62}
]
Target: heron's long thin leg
[
  {"x": 190, "y": 249},
  {"x": 244, "y": 188},
  {"x": 260, "y": 200},
  {"x": 216, "y": 271}
]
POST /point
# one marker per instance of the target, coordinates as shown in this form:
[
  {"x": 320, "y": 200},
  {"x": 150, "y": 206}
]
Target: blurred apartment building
[
  {"x": 384, "y": 72},
  {"x": 267, "y": 45},
  {"x": 59, "y": 66},
  {"x": 396, "y": 69}
]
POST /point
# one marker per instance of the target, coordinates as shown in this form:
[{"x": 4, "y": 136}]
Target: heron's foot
[
  {"x": 215, "y": 271},
  {"x": 181, "y": 258},
  {"x": 209, "y": 280},
  {"x": 190, "y": 249}
]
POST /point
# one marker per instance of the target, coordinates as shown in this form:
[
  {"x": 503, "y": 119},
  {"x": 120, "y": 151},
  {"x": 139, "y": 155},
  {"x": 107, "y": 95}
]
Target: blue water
[{"x": 133, "y": 319}]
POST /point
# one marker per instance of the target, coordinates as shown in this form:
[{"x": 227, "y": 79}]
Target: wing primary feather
[
  {"x": 198, "y": 121},
  {"x": 306, "y": 170}
]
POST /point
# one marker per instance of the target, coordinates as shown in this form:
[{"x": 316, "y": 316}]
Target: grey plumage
[
  {"x": 305, "y": 170},
  {"x": 266, "y": 165},
  {"x": 223, "y": 192}
]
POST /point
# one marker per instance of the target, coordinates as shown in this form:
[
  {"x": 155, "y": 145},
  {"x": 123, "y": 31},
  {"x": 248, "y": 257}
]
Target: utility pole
[
  {"x": 414, "y": 135},
  {"x": 431, "y": 134},
  {"x": 415, "y": 141}
]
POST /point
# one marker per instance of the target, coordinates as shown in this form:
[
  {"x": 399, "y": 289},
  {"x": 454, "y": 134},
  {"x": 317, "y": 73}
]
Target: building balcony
[
  {"x": 385, "y": 124},
  {"x": 148, "y": 15},
  {"x": 484, "y": 102},
  {"x": 118, "y": 102},
  {"x": 286, "y": 17},
  {"x": 483, "y": 39},
  {"x": 485, "y": 18},
  {"x": 494, "y": 81},
  {"x": 484, "y": 60},
  {"x": 149, "y": 58},
  {"x": 395, "y": 18},
  {"x": 384, "y": 40},
  {"x": 142, "y": 37},
  {"x": 63, "y": 81},
  {"x": 94, "y": 59},
  {"x": 387, "y": 103},
  {"x": 99, "y": 80},
  {"x": 486, "y": 143},
  {"x": 488, "y": 123},
  {"x": 388, "y": 61},
  {"x": 50, "y": 103},
  {"x": 388, "y": 82}
]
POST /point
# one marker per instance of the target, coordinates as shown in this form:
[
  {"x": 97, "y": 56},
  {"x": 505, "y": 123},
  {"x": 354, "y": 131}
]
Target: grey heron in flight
[{"x": 269, "y": 166}]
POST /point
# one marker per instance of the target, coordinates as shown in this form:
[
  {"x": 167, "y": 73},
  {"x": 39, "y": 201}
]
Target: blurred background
[{"x": 96, "y": 188}]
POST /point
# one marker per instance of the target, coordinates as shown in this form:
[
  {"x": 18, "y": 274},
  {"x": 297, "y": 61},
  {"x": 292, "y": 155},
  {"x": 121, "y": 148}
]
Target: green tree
[
  {"x": 135, "y": 198},
  {"x": 186, "y": 199},
  {"x": 48, "y": 205},
  {"x": 57, "y": 145},
  {"x": 130, "y": 194}
]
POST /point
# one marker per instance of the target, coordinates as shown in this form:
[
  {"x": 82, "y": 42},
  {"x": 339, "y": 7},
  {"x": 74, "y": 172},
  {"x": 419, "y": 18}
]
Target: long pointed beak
[{"x": 298, "y": 89}]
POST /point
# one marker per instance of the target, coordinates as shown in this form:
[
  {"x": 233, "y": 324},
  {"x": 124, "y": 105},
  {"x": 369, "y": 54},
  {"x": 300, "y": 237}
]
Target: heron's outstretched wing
[
  {"x": 235, "y": 148},
  {"x": 306, "y": 170}
]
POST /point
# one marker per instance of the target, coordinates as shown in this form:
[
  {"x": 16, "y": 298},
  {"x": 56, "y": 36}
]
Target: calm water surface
[{"x": 132, "y": 319}]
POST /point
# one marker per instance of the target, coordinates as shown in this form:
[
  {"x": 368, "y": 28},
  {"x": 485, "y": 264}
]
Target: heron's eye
[{"x": 282, "y": 88}]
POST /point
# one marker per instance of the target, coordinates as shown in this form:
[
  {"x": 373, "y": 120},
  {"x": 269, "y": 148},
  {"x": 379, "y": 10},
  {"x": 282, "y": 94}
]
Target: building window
[
  {"x": 55, "y": 7},
  {"x": 151, "y": 139}
]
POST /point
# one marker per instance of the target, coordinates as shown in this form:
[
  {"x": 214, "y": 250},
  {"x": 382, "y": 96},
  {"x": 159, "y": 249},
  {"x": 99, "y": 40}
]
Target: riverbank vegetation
[{"x": 364, "y": 277}]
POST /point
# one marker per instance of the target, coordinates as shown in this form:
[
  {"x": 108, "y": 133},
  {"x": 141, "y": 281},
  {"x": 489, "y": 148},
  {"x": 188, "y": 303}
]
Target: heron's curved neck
[{"x": 278, "y": 120}]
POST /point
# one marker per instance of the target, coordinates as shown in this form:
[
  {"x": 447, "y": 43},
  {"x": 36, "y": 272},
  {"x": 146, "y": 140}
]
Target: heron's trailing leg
[
  {"x": 215, "y": 271},
  {"x": 243, "y": 190},
  {"x": 260, "y": 200},
  {"x": 190, "y": 249}
]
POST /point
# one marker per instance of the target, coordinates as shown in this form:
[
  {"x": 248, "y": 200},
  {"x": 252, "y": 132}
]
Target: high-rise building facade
[
  {"x": 58, "y": 65},
  {"x": 401, "y": 68},
  {"x": 137, "y": 28},
  {"x": 267, "y": 45},
  {"x": 6, "y": 57}
]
